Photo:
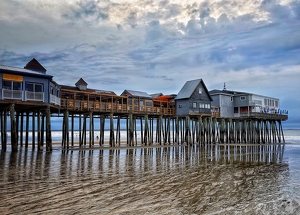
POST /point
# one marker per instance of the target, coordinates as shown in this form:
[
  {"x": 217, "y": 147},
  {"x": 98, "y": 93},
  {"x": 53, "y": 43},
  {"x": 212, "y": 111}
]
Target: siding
[
  {"x": 185, "y": 106},
  {"x": 44, "y": 82},
  {"x": 226, "y": 105}
]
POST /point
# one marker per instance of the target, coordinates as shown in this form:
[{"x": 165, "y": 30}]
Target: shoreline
[
  {"x": 58, "y": 146},
  {"x": 123, "y": 145}
]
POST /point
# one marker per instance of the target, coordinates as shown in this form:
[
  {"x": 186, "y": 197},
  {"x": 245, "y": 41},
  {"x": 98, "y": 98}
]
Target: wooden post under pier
[{"x": 14, "y": 137}]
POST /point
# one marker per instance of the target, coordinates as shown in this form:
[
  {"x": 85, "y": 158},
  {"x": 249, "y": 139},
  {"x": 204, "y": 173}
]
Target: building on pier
[
  {"x": 29, "y": 96},
  {"x": 193, "y": 99},
  {"x": 79, "y": 98},
  {"x": 30, "y": 83},
  {"x": 141, "y": 101},
  {"x": 236, "y": 104}
]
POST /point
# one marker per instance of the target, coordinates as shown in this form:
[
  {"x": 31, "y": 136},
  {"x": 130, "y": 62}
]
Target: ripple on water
[{"x": 174, "y": 180}]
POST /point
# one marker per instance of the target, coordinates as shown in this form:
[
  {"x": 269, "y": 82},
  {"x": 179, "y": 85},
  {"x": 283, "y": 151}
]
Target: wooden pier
[
  {"x": 142, "y": 128},
  {"x": 30, "y": 99}
]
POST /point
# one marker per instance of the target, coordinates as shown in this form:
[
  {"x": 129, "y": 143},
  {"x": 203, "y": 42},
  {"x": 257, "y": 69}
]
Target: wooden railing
[
  {"x": 265, "y": 116},
  {"x": 54, "y": 99},
  {"x": 85, "y": 105}
]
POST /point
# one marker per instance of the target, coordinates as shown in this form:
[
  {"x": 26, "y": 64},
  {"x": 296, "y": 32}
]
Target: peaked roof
[
  {"x": 35, "y": 65},
  {"x": 233, "y": 93},
  {"x": 155, "y": 95},
  {"x": 81, "y": 82},
  {"x": 189, "y": 87},
  {"x": 227, "y": 92},
  {"x": 21, "y": 71},
  {"x": 137, "y": 94},
  {"x": 88, "y": 90}
]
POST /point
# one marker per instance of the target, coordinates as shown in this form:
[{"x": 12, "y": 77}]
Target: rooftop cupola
[
  {"x": 35, "y": 66},
  {"x": 81, "y": 84}
]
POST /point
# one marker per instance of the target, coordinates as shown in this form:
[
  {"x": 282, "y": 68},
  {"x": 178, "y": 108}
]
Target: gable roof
[
  {"x": 88, "y": 90},
  {"x": 189, "y": 87},
  {"x": 137, "y": 94},
  {"x": 81, "y": 82},
  {"x": 21, "y": 71},
  {"x": 35, "y": 65},
  {"x": 155, "y": 95}
]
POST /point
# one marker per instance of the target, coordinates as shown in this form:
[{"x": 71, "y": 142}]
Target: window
[
  {"x": 194, "y": 104},
  {"x": 200, "y": 90},
  {"x": 7, "y": 85},
  {"x": 231, "y": 98},
  {"x": 34, "y": 87},
  {"x": 236, "y": 110},
  {"x": 266, "y": 102},
  {"x": 243, "y": 98},
  {"x": 207, "y": 106},
  {"x": 12, "y": 85},
  {"x": 276, "y": 103},
  {"x": 201, "y": 105}
]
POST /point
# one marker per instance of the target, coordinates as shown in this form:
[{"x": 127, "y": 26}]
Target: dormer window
[{"x": 81, "y": 84}]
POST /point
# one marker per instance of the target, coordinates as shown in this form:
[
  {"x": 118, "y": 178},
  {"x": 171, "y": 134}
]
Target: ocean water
[
  {"x": 290, "y": 136},
  {"x": 169, "y": 180},
  {"x": 211, "y": 179}
]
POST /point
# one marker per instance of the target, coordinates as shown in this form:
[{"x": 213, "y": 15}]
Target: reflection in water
[{"x": 227, "y": 179}]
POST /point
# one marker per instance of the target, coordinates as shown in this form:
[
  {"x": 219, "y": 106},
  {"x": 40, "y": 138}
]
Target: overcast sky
[{"x": 156, "y": 46}]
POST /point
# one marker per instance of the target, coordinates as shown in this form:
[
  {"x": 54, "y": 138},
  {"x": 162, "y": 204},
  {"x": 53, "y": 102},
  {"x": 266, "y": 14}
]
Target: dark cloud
[
  {"x": 86, "y": 9},
  {"x": 121, "y": 45},
  {"x": 193, "y": 27},
  {"x": 163, "y": 77},
  {"x": 204, "y": 12},
  {"x": 278, "y": 12},
  {"x": 295, "y": 7},
  {"x": 132, "y": 19},
  {"x": 153, "y": 31}
]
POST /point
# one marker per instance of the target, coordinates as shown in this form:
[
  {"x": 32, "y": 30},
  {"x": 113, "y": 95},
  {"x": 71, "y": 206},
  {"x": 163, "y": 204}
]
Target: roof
[
  {"x": 234, "y": 93},
  {"x": 155, "y": 95},
  {"x": 35, "y": 65},
  {"x": 21, "y": 71},
  {"x": 137, "y": 94},
  {"x": 66, "y": 87},
  {"x": 165, "y": 98},
  {"x": 81, "y": 82},
  {"x": 189, "y": 87}
]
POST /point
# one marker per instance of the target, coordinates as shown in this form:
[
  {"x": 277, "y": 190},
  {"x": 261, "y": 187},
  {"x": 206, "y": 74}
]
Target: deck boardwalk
[{"x": 154, "y": 122}]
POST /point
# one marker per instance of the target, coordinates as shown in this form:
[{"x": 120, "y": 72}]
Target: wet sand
[{"x": 213, "y": 179}]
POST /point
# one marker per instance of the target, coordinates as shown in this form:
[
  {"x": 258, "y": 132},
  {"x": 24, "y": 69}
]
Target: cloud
[{"x": 155, "y": 46}]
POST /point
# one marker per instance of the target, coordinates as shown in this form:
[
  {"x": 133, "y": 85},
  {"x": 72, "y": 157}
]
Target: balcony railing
[
  {"x": 84, "y": 105},
  {"x": 34, "y": 96},
  {"x": 274, "y": 116},
  {"x": 11, "y": 94},
  {"x": 54, "y": 100}
]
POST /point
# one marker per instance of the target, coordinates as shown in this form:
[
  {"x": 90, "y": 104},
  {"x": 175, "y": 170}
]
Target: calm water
[{"x": 173, "y": 180}]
